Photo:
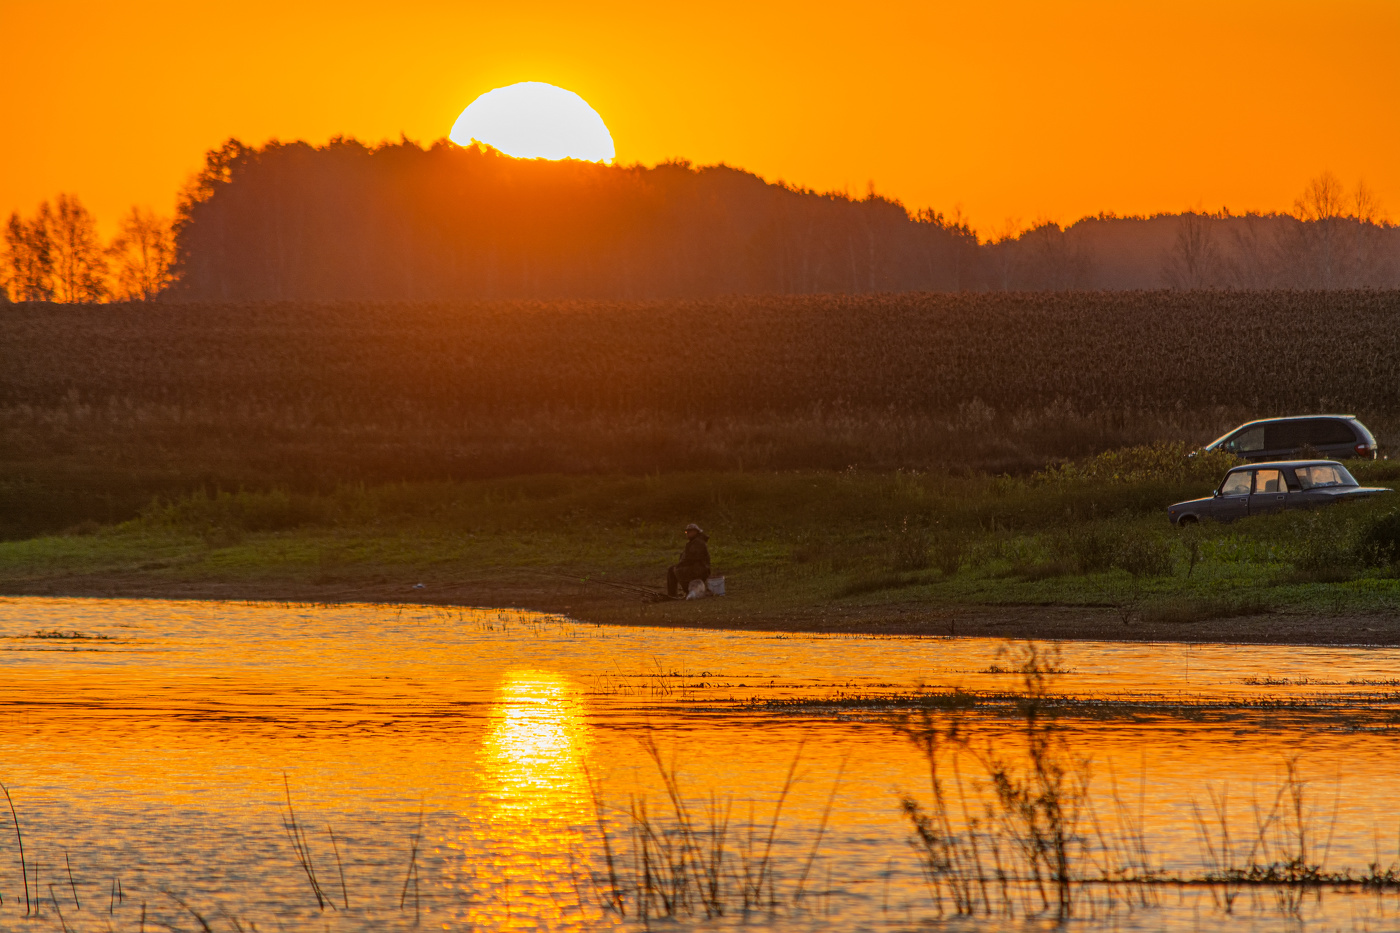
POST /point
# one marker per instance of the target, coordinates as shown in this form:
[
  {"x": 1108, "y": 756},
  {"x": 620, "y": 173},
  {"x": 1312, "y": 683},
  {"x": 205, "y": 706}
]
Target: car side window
[
  {"x": 1250, "y": 441},
  {"x": 1269, "y": 481},
  {"x": 1330, "y": 431},
  {"x": 1314, "y": 477},
  {"x": 1237, "y": 484},
  {"x": 1284, "y": 435}
]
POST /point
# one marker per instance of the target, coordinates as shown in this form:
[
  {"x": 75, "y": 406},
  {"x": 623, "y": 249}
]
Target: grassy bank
[{"x": 1087, "y": 544}]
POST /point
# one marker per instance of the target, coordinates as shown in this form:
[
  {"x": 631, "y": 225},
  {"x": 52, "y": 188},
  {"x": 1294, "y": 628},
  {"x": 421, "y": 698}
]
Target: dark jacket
[{"x": 696, "y": 554}]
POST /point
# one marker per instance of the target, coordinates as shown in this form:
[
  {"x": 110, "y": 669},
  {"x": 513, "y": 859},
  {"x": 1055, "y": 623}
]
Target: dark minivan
[{"x": 1333, "y": 437}]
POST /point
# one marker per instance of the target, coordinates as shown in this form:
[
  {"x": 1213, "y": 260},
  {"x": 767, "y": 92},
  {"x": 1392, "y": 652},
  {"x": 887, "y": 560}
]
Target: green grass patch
[{"x": 1094, "y": 535}]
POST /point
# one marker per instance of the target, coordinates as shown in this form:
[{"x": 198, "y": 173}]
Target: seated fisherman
[{"x": 694, "y": 565}]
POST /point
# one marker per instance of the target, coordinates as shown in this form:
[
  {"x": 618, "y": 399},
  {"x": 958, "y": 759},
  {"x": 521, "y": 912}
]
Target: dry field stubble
[{"x": 103, "y": 407}]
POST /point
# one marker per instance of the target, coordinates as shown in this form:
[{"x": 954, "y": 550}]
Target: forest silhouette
[
  {"x": 402, "y": 222},
  {"x": 397, "y": 221}
]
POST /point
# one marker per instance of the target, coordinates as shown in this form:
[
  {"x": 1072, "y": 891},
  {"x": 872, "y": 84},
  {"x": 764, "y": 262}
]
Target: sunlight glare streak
[
  {"x": 534, "y": 746},
  {"x": 537, "y": 804}
]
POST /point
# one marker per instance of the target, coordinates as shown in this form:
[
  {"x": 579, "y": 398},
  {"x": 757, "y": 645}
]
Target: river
[{"x": 369, "y": 767}]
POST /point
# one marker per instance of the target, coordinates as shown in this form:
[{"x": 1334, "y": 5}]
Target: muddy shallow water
[{"x": 156, "y": 746}]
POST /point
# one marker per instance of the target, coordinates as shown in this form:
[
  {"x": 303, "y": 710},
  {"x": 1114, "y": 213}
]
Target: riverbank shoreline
[
  {"x": 581, "y": 602},
  {"x": 1081, "y": 553}
]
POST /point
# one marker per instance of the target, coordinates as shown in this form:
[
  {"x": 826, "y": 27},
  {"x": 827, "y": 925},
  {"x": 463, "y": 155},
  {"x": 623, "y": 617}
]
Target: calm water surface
[{"x": 159, "y": 750}]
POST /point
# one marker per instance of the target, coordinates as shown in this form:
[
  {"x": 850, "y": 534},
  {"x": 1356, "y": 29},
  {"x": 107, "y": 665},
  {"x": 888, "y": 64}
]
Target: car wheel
[{"x": 1187, "y": 520}]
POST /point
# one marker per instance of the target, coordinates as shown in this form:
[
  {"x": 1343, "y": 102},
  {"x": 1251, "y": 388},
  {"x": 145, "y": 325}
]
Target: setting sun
[{"x": 533, "y": 120}]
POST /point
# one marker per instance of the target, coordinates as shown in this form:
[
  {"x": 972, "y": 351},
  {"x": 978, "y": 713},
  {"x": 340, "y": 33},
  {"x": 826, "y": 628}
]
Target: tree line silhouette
[
  {"x": 56, "y": 254},
  {"x": 399, "y": 221},
  {"x": 403, "y": 222}
]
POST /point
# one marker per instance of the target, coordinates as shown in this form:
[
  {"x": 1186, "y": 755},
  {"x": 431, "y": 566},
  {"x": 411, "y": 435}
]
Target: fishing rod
[{"x": 648, "y": 592}]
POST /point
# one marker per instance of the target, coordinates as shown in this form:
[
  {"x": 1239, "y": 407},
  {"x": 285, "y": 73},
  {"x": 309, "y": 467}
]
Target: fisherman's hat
[{"x": 694, "y": 527}]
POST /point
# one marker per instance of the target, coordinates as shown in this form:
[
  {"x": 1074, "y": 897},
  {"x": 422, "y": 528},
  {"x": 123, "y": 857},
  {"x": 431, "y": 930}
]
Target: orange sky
[{"x": 1013, "y": 110}]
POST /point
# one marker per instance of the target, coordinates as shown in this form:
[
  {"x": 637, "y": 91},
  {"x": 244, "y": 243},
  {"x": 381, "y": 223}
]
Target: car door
[
  {"x": 1232, "y": 499},
  {"x": 1270, "y": 492},
  {"x": 1282, "y": 439}
]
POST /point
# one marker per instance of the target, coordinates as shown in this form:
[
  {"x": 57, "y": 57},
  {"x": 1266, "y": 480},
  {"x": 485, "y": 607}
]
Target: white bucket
[{"x": 715, "y": 585}]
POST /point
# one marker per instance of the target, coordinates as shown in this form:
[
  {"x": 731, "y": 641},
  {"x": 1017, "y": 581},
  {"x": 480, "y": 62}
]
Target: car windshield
[
  {"x": 1221, "y": 439},
  {"x": 1325, "y": 474}
]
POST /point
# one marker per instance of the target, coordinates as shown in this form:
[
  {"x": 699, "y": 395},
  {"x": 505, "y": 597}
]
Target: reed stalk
[
  {"x": 344, "y": 892},
  {"x": 615, "y": 898},
  {"x": 761, "y": 881},
  {"x": 1040, "y": 800},
  {"x": 203, "y": 924},
  {"x": 683, "y": 863},
  {"x": 821, "y": 831},
  {"x": 412, "y": 874},
  {"x": 71, "y": 883},
  {"x": 19, "y": 837},
  {"x": 300, "y": 846},
  {"x": 58, "y": 910}
]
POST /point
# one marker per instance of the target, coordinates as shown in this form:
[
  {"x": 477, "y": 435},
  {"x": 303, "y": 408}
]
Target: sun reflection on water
[
  {"x": 535, "y": 836},
  {"x": 535, "y": 745}
]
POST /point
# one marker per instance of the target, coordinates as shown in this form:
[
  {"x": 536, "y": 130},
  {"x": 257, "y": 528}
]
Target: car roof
[
  {"x": 1296, "y": 418},
  {"x": 1276, "y": 464}
]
